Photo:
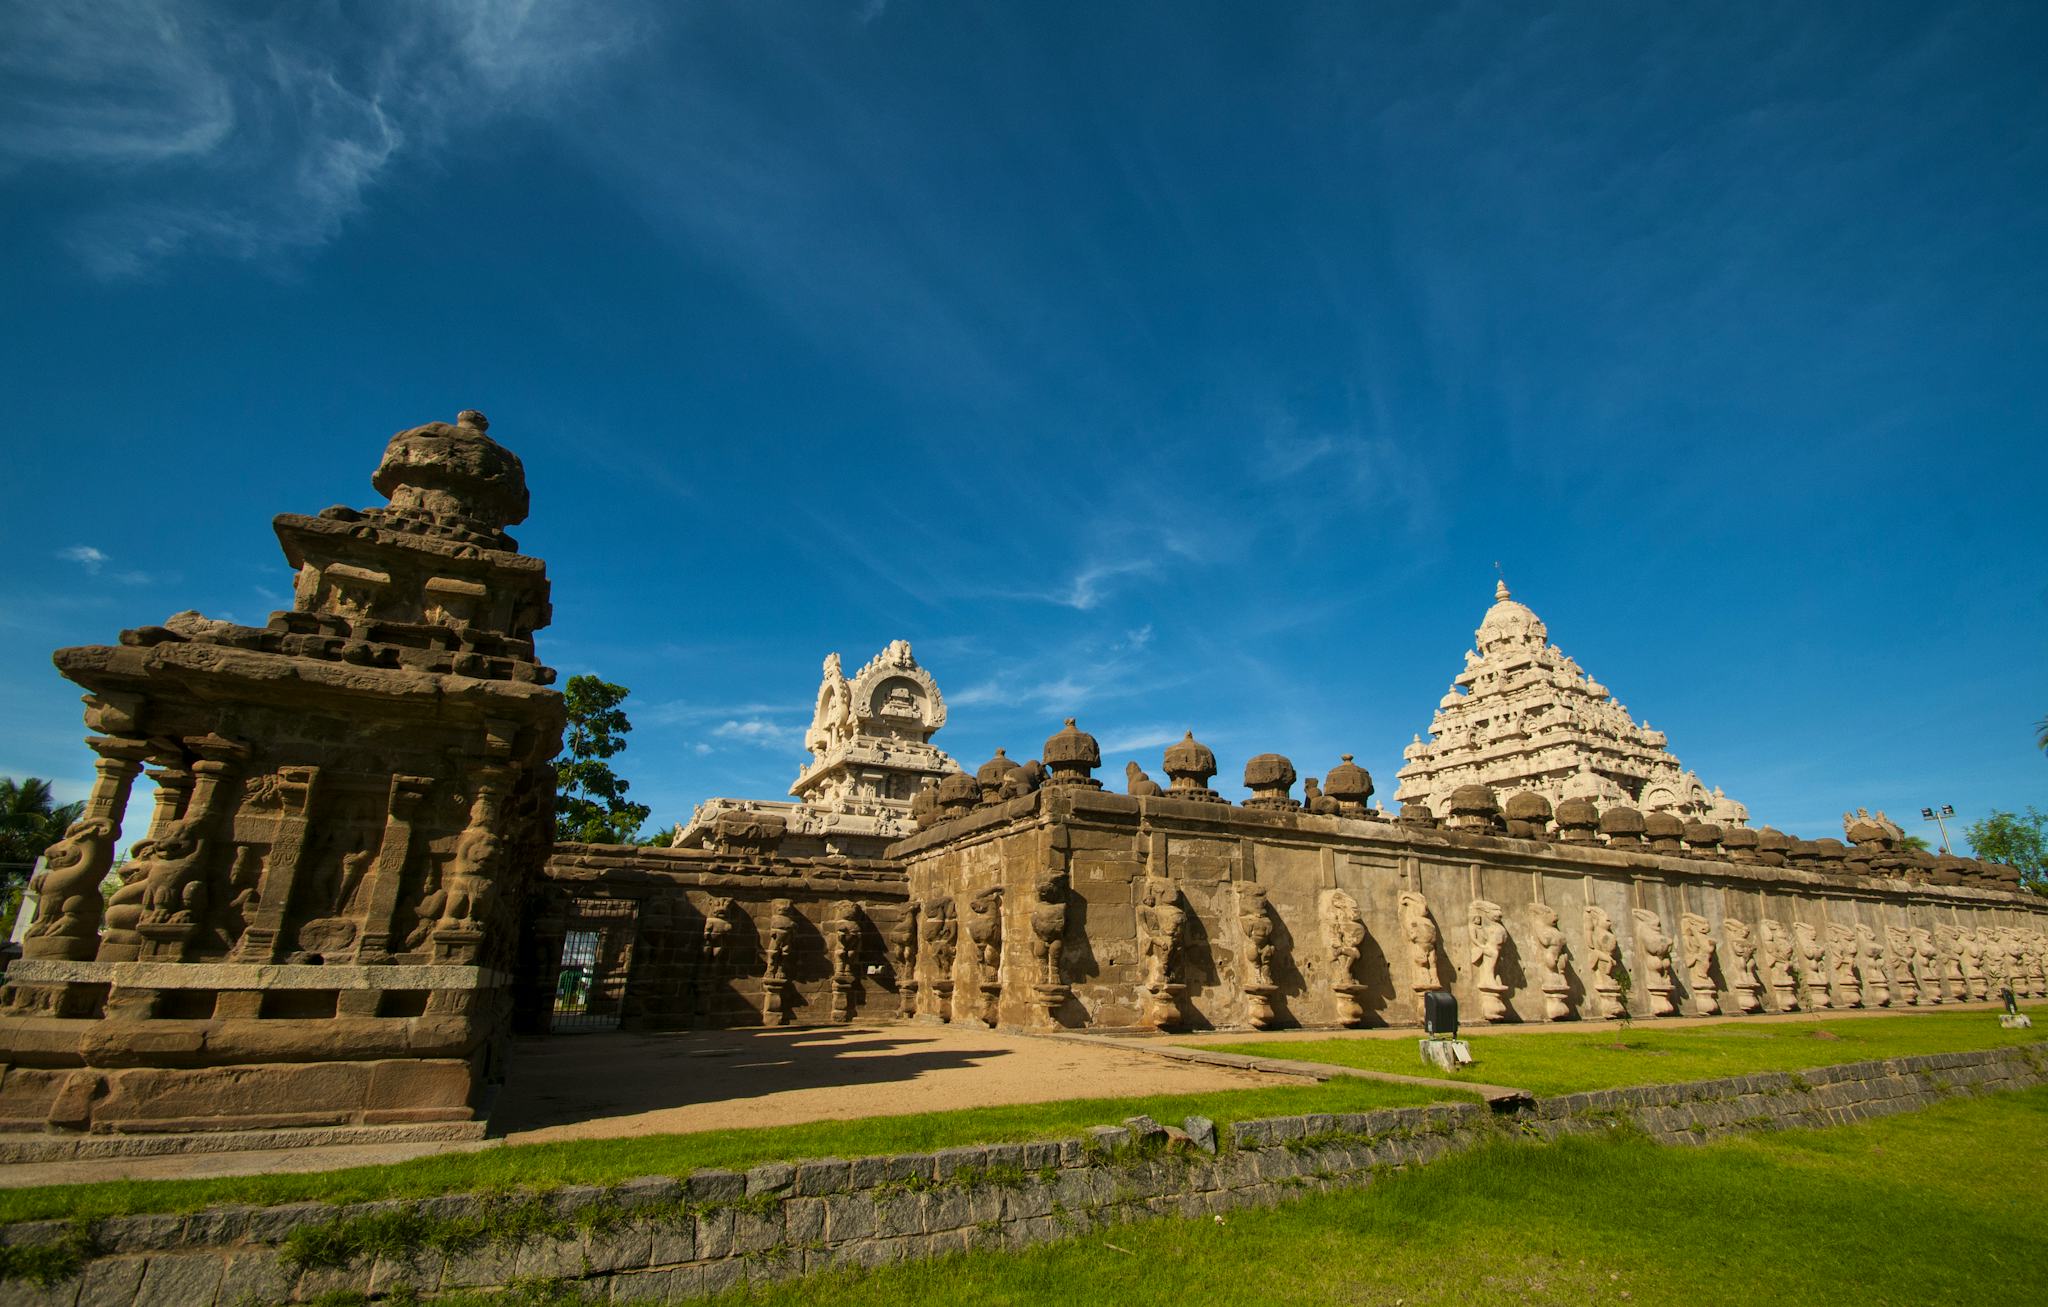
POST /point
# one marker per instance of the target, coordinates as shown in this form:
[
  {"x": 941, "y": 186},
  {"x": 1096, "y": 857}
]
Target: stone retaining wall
[{"x": 659, "y": 1239}]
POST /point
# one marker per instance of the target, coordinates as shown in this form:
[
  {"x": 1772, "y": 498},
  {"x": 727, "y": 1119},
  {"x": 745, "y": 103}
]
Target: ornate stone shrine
[
  {"x": 319, "y": 926},
  {"x": 871, "y": 752}
]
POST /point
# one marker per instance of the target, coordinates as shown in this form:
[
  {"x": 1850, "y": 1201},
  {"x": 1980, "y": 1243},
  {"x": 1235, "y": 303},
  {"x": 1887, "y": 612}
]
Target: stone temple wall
[
  {"x": 318, "y": 927},
  {"x": 1076, "y": 908},
  {"x": 724, "y": 936}
]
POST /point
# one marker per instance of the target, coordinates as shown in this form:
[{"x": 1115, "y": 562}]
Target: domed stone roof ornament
[
  {"x": 1473, "y": 809},
  {"x": 1664, "y": 831},
  {"x": 992, "y": 774},
  {"x": 1578, "y": 822},
  {"x": 958, "y": 793},
  {"x": 1269, "y": 777},
  {"x": 1623, "y": 827},
  {"x": 1528, "y": 815},
  {"x": 454, "y": 478},
  {"x": 1189, "y": 765},
  {"x": 1071, "y": 756},
  {"x": 1349, "y": 785}
]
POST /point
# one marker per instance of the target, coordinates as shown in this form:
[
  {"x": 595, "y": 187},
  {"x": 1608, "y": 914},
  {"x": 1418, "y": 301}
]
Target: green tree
[
  {"x": 31, "y": 819},
  {"x": 1917, "y": 842},
  {"x": 2017, "y": 841},
  {"x": 590, "y": 798}
]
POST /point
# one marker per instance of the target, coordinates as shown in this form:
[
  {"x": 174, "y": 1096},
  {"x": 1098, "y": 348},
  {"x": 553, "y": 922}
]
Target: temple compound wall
[
  {"x": 729, "y": 935},
  {"x": 319, "y": 926},
  {"x": 1065, "y": 906}
]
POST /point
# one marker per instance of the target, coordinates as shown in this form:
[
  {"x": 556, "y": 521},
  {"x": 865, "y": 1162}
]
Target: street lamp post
[{"x": 1938, "y": 816}]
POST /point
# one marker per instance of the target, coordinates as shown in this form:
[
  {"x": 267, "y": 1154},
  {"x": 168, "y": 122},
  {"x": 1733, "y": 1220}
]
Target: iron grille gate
[{"x": 597, "y": 954}]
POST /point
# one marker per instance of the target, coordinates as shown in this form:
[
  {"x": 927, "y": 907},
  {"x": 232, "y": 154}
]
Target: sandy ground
[
  {"x": 600, "y": 1086},
  {"x": 589, "y": 1087}
]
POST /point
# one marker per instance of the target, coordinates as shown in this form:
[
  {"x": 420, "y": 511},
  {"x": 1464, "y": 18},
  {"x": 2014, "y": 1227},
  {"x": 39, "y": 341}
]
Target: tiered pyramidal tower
[{"x": 1523, "y": 716}]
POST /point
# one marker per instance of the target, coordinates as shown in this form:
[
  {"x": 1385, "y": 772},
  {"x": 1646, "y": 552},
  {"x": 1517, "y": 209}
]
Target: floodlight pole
[{"x": 1939, "y": 815}]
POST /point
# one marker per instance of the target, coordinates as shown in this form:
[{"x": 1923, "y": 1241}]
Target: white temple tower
[{"x": 1523, "y": 716}]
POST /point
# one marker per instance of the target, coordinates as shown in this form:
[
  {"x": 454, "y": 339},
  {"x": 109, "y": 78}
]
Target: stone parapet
[
  {"x": 661, "y": 1238},
  {"x": 1161, "y": 912}
]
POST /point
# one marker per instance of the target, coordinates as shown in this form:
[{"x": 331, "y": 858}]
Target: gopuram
[
  {"x": 871, "y": 752},
  {"x": 346, "y": 899},
  {"x": 1523, "y": 716}
]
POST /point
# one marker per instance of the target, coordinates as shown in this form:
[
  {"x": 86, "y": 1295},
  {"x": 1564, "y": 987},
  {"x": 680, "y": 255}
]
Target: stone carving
[
  {"x": 1872, "y": 828},
  {"x": 1813, "y": 965},
  {"x": 1841, "y": 960},
  {"x": 1419, "y": 929},
  {"x": 832, "y": 718},
  {"x": 1473, "y": 808},
  {"x": 472, "y": 876},
  {"x": 1948, "y": 945},
  {"x": 1870, "y": 965},
  {"x": 1899, "y": 965},
  {"x": 1603, "y": 951},
  {"x": 782, "y": 925},
  {"x": 67, "y": 891},
  {"x": 1024, "y": 780},
  {"x": 1552, "y": 951},
  {"x": 1255, "y": 955},
  {"x": 1138, "y": 783},
  {"x": 721, "y": 919},
  {"x": 1160, "y": 920},
  {"x": 1779, "y": 970},
  {"x": 992, "y": 777},
  {"x": 1347, "y": 788},
  {"x": 985, "y": 934},
  {"x": 903, "y": 959},
  {"x": 1970, "y": 962},
  {"x": 1523, "y": 716},
  {"x": 842, "y": 947},
  {"x": 1656, "y": 972},
  {"x": 1048, "y": 943},
  {"x": 1489, "y": 940},
  {"x": 941, "y": 942},
  {"x": 1697, "y": 935},
  {"x": 1344, "y": 936},
  {"x": 1743, "y": 981}
]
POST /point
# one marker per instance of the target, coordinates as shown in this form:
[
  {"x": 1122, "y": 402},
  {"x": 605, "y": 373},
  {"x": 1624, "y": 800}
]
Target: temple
[
  {"x": 871, "y": 752},
  {"x": 348, "y": 897},
  {"x": 1523, "y": 716}
]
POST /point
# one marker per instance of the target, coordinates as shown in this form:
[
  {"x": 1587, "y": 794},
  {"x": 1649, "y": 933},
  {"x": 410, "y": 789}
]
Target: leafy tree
[
  {"x": 1918, "y": 842},
  {"x": 590, "y": 799},
  {"x": 30, "y": 819},
  {"x": 2018, "y": 841},
  {"x": 2041, "y": 734}
]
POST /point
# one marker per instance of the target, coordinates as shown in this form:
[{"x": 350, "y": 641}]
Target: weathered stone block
[
  {"x": 849, "y": 1217},
  {"x": 715, "y": 1186},
  {"x": 770, "y": 1178},
  {"x": 824, "y": 1176}
]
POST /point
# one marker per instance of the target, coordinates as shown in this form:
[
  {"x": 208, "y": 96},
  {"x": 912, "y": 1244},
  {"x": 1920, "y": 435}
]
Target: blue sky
[{"x": 1169, "y": 366}]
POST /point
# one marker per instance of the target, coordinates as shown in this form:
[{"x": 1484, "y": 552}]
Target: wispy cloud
[
  {"x": 257, "y": 137},
  {"x": 1131, "y": 739},
  {"x": 681, "y": 712},
  {"x": 95, "y": 561},
  {"x": 757, "y": 730}
]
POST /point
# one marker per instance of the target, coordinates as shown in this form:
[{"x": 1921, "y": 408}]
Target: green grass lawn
[
  {"x": 1605, "y": 1056},
  {"x": 605, "y": 1161},
  {"x": 1938, "y": 1206}
]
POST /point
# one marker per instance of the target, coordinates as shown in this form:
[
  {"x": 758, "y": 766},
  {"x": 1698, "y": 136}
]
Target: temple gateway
[{"x": 347, "y": 897}]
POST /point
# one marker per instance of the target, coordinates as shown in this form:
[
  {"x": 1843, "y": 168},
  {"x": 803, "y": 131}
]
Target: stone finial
[
  {"x": 990, "y": 776},
  {"x": 1349, "y": 786},
  {"x": 1269, "y": 777},
  {"x": 1578, "y": 822},
  {"x": 1803, "y": 853},
  {"x": 1772, "y": 845},
  {"x": 1072, "y": 755},
  {"x": 1473, "y": 808},
  {"x": 958, "y": 792},
  {"x": 1189, "y": 765},
  {"x": 1623, "y": 826},
  {"x": 1664, "y": 831},
  {"x": 1416, "y": 814},
  {"x": 1528, "y": 815},
  {"x": 454, "y": 472},
  {"x": 1833, "y": 856},
  {"x": 1740, "y": 844},
  {"x": 1702, "y": 837}
]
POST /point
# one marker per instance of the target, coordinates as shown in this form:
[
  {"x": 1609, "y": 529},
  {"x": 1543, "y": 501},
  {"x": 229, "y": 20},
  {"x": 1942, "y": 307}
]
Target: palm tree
[
  {"x": 30, "y": 819},
  {"x": 2042, "y": 738}
]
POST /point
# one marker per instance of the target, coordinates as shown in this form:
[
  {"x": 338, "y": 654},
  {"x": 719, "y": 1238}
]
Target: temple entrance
[{"x": 597, "y": 954}]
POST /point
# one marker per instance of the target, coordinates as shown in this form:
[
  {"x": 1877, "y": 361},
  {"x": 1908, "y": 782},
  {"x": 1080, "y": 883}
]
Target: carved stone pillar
[
  {"x": 66, "y": 892},
  {"x": 387, "y": 875}
]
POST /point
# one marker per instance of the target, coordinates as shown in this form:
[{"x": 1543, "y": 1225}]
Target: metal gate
[{"x": 597, "y": 955}]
